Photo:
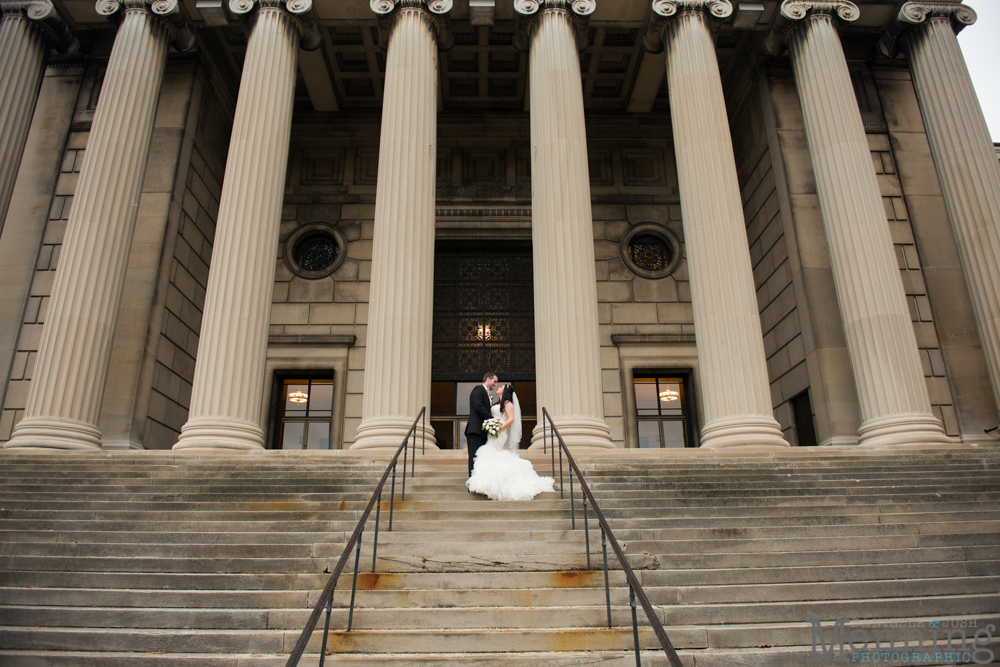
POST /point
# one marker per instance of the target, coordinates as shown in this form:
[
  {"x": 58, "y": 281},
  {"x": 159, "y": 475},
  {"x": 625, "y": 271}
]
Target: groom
[{"x": 479, "y": 411}]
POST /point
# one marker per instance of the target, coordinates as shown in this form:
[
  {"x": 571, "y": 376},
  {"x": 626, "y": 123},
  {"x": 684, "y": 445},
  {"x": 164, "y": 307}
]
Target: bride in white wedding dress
[{"x": 499, "y": 471}]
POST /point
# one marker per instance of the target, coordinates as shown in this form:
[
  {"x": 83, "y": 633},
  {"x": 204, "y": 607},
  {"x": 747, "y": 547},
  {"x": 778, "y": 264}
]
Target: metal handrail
[
  {"x": 326, "y": 598},
  {"x": 635, "y": 588}
]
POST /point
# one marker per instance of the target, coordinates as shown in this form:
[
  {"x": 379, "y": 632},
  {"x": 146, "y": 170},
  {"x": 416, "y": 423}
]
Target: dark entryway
[{"x": 484, "y": 320}]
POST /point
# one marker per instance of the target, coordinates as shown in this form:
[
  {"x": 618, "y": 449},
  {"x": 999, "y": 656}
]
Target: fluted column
[
  {"x": 27, "y": 31},
  {"x": 229, "y": 370},
  {"x": 963, "y": 152},
  {"x": 732, "y": 364},
  {"x": 567, "y": 342},
  {"x": 65, "y": 396},
  {"x": 892, "y": 393},
  {"x": 401, "y": 305}
]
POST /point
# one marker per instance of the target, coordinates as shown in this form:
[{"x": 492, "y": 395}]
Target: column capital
[
  {"x": 301, "y": 12},
  {"x": 526, "y": 13},
  {"x": 665, "y": 10},
  {"x": 792, "y": 11},
  {"x": 45, "y": 16},
  {"x": 912, "y": 14},
  {"x": 438, "y": 11},
  {"x": 168, "y": 11}
]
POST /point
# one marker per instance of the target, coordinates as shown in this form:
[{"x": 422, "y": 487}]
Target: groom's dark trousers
[{"x": 479, "y": 411}]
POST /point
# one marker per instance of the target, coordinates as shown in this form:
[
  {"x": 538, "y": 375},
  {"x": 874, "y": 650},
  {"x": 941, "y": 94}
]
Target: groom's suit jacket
[{"x": 479, "y": 410}]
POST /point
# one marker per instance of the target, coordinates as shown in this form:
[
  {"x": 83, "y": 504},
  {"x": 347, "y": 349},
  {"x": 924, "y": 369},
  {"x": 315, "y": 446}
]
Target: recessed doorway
[{"x": 484, "y": 320}]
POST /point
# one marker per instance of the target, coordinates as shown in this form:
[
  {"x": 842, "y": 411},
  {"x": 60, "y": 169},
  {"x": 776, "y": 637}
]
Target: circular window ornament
[
  {"x": 651, "y": 251},
  {"x": 315, "y": 250}
]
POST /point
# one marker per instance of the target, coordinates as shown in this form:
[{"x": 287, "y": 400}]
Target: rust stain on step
[
  {"x": 376, "y": 581},
  {"x": 574, "y": 579}
]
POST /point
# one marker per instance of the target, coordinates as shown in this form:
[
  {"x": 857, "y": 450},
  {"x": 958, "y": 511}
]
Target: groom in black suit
[{"x": 479, "y": 411}]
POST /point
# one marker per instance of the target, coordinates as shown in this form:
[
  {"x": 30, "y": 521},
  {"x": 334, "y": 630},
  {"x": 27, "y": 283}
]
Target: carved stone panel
[
  {"x": 323, "y": 167},
  {"x": 366, "y": 167},
  {"x": 484, "y": 166},
  {"x": 643, "y": 166}
]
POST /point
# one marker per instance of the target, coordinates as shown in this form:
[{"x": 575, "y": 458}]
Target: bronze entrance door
[{"x": 484, "y": 320}]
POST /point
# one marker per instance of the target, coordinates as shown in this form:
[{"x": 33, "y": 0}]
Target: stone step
[
  {"x": 763, "y": 657},
  {"x": 365, "y": 618},
  {"x": 367, "y": 641},
  {"x": 742, "y": 594},
  {"x": 311, "y": 582}
]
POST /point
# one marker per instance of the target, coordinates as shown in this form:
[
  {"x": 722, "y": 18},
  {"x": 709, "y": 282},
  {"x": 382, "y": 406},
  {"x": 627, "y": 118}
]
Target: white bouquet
[{"x": 492, "y": 426}]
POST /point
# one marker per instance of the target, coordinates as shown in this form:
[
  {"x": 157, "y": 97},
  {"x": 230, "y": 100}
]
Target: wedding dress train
[{"x": 501, "y": 474}]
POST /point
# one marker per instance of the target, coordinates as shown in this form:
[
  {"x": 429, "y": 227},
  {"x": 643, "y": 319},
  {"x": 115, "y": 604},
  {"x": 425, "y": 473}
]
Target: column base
[
  {"x": 903, "y": 429},
  {"x": 221, "y": 435},
  {"x": 388, "y": 433},
  {"x": 579, "y": 433},
  {"x": 54, "y": 433},
  {"x": 749, "y": 430}
]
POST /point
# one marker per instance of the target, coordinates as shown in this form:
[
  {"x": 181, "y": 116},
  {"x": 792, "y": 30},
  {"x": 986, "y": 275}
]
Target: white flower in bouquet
[{"x": 492, "y": 426}]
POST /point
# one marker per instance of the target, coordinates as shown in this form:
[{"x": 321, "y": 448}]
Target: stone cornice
[
  {"x": 45, "y": 16},
  {"x": 301, "y": 12},
  {"x": 526, "y": 13},
  {"x": 665, "y": 10},
  {"x": 438, "y": 11},
  {"x": 792, "y": 11},
  {"x": 168, "y": 11},
  {"x": 912, "y": 14}
]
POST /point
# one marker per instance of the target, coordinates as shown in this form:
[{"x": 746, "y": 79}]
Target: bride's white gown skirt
[{"x": 503, "y": 475}]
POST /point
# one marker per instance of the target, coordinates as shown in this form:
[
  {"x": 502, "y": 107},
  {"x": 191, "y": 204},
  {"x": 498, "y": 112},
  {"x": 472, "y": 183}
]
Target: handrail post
[
  {"x": 326, "y": 632},
  {"x": 635, "y": 625},
  {"x": 572, "y": 499},
  {"x": 586, "y": 528},
  {"x": 560, "y": 445},
  {"x": 423, "y": 445},
  {"x": 413, "y": 461},
  {"x": 545, "y": 439},
  {"x": 552, "y": 450},
  {"x": 392, "y": 496},
  {"x": 406, "y": 448},
  {"x": 354, "y": 586},
  {"x": 607, "y": 583},
  {"x": 378, "y": 511}
]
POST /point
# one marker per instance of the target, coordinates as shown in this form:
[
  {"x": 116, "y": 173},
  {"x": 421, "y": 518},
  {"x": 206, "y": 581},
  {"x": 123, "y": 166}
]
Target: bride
[{"x": 499, "y": 471}]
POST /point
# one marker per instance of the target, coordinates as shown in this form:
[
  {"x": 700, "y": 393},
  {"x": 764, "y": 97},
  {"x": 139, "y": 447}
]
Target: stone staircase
[{"x": 157, "y": 558}]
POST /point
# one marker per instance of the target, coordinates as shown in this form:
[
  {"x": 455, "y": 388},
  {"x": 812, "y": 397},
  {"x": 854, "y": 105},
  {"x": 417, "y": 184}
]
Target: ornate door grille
[{"x": 484, "y": 314}]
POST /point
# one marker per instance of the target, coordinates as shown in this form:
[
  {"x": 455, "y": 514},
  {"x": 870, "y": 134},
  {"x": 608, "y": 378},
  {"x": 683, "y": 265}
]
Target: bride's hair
[{"x": 508, "y": 395}]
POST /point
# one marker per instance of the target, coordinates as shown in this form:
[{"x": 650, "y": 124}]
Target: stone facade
[{"x": 645, "y": 170}]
